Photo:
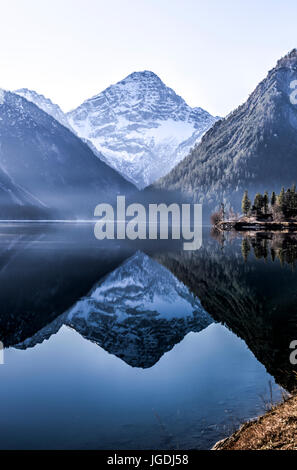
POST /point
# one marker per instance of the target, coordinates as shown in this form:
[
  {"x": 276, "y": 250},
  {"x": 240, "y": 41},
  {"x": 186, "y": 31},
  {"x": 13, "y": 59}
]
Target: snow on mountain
[
  {"x": 254, "y": 148},
  {"x": 140, "y": 285},
  {"x": 2, "y": 96},
  {"x": 138, "y": 312},
  {"x": 140, "y": 126},
  {"x": 45, "y": 104},
  {"x": 15, "y": 199},
  {"x": 41, "y": 160}
]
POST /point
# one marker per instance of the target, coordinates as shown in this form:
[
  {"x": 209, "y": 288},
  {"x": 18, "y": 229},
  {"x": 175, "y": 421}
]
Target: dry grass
[{"x": 276, "y": 430}]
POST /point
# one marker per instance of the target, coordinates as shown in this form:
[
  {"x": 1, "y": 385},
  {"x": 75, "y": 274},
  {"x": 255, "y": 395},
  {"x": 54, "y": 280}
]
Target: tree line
[{"x": 275, "y": 206}]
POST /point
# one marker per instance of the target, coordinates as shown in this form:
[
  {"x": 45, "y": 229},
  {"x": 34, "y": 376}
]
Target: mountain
[
  {"x": 14, "y": 196},
  {"x": 253, "y": 148},
  {"x": 41, "y": 157},
  {"x": 16, "y": 202},
  {"x": 45, "y": 104},
  {"x": 138, "y": 312},
  {"x": 256, "y": 300},
  {"x": 141, "y": 127}
]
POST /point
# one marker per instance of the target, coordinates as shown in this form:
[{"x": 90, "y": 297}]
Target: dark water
[{"x": 111, "y": 346}]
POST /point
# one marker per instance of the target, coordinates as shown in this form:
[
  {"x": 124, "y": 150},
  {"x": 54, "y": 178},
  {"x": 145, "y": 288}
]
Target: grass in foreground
[{"x": 276, "y": 430}]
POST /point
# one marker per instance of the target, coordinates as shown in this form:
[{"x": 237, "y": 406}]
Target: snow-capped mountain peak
[
  {"x": 45, "y": 104},
  {"x": 2, "y": 96},
  {"x": 140, "y": 126}
]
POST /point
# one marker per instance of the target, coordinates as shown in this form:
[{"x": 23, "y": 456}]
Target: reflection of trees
[
  {"x": 256, "y": 300},
  {"x": 273, "y": 246},
  {"x": 245, "y": 248}
]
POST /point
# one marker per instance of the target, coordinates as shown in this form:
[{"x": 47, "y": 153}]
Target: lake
[{"x": 131, "y": 345}]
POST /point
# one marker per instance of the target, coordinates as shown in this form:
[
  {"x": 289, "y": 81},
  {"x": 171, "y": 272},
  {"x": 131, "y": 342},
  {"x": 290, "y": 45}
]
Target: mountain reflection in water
[
  {"x": 148, "y": 305},
  {"x": 249, "y": 284}
]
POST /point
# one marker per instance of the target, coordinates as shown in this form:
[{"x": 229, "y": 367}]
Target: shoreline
[
  {"x": 255, "y": 225},
  {"x": 275, "y": 430}
]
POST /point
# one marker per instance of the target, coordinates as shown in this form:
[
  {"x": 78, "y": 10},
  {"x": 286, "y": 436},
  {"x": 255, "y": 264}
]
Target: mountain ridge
[
  {"x": 45, "y": 104},
  {"x": 131, "y": 314},
  {"x": 50, "y": 163},
  {"x": 140, "y": 126},
  {"x": 245, "y": 149}
]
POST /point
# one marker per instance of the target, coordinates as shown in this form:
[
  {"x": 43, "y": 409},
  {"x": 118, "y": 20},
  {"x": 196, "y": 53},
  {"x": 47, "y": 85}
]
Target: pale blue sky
[{"x": 211, "y": 52}]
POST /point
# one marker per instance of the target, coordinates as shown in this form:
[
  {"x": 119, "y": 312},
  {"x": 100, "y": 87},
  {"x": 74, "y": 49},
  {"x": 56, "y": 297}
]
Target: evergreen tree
[
  {"x": 246, "y": 203},
  {"x": 258, "y": 203},
  {"x": 265, "y": 202},
  {"x": 281, "y": 198},
  {"x": 273, "y": 198},
  {"x": 293, "y": 201}
]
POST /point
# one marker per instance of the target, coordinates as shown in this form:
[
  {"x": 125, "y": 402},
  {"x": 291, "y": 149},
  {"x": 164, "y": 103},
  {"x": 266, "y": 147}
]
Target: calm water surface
[{"x": 135, "y": 347}]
